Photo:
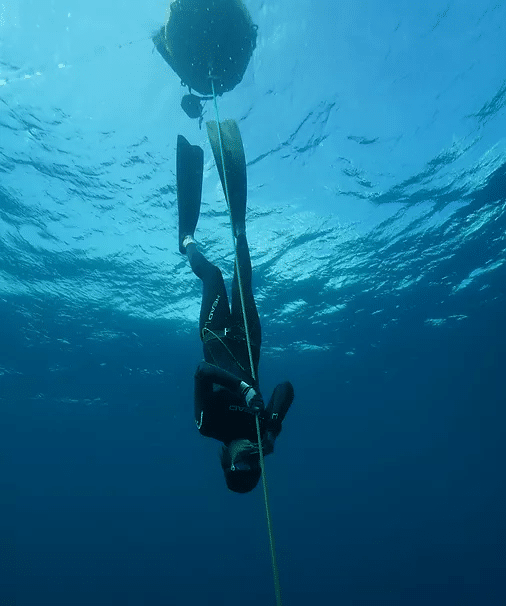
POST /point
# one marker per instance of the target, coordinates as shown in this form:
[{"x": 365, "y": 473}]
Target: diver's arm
[
  {"x": 280, "y": 402},
  {"x": 205, "y": 378},
  {"x": 208, "y": 374},
  {"x": 203, "y": 395}
]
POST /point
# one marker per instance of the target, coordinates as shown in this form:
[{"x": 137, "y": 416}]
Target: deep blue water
[{"x": 376, "y": 146}]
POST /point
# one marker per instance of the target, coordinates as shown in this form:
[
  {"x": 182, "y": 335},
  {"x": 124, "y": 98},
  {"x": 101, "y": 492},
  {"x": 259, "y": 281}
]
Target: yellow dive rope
[{"x": 277, "y": 587}]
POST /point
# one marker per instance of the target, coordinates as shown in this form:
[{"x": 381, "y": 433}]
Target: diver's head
[{"x": 240, "y": 462}]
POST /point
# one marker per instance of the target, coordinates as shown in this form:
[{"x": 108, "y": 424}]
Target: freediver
[{"x": 227, "y": 393}]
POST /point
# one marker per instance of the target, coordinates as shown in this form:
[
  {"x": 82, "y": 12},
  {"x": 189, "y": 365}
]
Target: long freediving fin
[
  {"x": 233, "y": 180},
  {"x": 189, "y": 172}
]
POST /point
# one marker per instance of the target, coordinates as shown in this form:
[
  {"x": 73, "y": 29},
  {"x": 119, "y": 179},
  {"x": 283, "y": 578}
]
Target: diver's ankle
[{"x": 187, "y": 240}]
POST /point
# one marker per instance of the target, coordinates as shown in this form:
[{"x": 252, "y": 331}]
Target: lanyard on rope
[{"x": 277, "y": 586}]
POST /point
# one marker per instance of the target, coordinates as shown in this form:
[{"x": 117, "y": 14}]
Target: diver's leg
[
  {"x": 189, "y": 171},
  {"x": 232, "y": 170},
  {"x": 214, "y": 311},
  {"x": 243, "y": 260}
]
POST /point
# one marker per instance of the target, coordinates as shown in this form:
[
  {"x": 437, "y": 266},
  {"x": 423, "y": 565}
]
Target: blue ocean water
[{"x": 375, "y": 135}]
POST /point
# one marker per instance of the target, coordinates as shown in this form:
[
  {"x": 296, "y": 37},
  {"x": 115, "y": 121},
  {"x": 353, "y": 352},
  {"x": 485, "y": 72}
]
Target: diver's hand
[
  {"x": 253, "y": 399},
  {"x": 268, "y": 443}
]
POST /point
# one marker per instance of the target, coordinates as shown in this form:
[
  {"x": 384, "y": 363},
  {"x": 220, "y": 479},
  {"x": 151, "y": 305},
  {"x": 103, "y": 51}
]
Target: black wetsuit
[{"x": 220, "y": 409}]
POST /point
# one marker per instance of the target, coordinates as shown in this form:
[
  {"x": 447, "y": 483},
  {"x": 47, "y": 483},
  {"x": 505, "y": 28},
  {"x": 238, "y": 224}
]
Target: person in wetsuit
[{"x": 227, "y": 396}]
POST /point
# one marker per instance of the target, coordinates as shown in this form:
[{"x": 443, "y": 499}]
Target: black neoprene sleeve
[{"x": 207, "y": 374}]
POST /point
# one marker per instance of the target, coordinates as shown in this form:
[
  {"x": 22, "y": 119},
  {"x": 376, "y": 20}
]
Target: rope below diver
[
  {"x": 275, "y": 571},
  {"x": 277, "y": 586}
]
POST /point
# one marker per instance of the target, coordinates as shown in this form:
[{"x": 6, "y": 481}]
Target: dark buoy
[{"x": 216, "y": 36}]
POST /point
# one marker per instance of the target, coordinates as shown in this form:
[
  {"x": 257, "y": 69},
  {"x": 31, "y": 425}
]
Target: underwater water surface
[{"x": 375, "y": 136}]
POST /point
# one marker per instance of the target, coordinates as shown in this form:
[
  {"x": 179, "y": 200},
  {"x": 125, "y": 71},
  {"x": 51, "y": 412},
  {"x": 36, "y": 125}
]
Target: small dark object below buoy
[{"x": 191, "y": 105}]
